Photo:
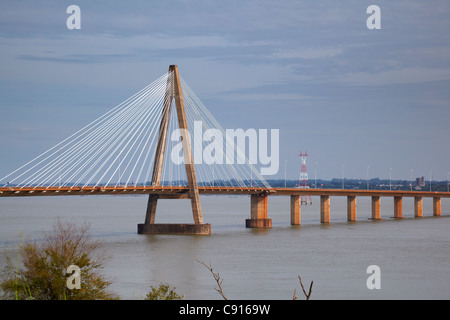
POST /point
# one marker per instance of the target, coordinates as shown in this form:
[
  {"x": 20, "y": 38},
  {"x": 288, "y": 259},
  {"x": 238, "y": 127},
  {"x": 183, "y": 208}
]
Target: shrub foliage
[{"x": 43, "y": 276}]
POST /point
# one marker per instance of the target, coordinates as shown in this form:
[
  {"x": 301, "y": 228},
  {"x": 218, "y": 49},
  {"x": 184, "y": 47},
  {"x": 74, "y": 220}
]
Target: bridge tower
[
  {"x": 174, "y": 93},
  {"x": 303, "y": 182}
]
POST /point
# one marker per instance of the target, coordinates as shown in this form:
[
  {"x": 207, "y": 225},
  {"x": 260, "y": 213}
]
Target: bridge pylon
[{"x": 174, "y": 93}]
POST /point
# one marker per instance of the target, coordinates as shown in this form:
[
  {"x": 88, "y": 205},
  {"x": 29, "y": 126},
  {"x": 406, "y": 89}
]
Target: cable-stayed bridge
[
  {"x": 119, "y": 148},
  {"x": 145, "y": 145}
]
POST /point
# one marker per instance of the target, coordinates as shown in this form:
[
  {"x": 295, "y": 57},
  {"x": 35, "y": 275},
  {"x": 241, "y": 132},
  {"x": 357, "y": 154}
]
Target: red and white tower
[{"x": 303, "y": 180}]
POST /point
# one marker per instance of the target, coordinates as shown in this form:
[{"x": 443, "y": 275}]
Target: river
[{"x": 413, "y": 254}]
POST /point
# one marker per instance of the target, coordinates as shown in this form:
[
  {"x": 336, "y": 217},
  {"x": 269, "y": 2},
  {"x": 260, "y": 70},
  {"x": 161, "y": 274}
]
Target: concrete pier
[
  {"x": 376, "y": 211},
  {"x": 436, "y": 206},
  {"x": 418, "y": 207},
  {"x": 325, "y": 209},
  {"x": 174, "y": 228},
  {"x": 295, "y": 210},
  {"x": 351, "y": 208},
  {"x": 258, "y": 212},
  {"x": 398, "y": 207}
]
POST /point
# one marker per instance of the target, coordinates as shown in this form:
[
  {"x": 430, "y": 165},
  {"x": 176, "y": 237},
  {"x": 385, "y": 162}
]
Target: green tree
[
  {"x": 163, "y": 292},
  {"x": 43, "y": 275}
]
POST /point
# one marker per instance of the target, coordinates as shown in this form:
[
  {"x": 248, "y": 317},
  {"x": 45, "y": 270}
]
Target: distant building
[{"x": 420, "y": 182}]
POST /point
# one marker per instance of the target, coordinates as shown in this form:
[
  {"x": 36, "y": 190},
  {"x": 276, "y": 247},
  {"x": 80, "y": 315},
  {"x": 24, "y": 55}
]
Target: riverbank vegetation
[{"x": 40, "y": 271}]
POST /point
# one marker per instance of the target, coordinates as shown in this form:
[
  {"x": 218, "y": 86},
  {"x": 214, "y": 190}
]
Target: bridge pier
[
  {"x": 351, "y": 208},
  {"x": 258, "y": 212},
  {"x": 376, "y": 212},
  {"x": 150, "y": 227},
  {"x": 436, "y": 206},
  {"x": 325, "y": 209},
  {"x": 398, "y": 207},
  {"x": 418, "y": 207},
  {"x": 295, "y": 210},
  {"x": 175, "y": 228},
  {"x": 174, "y": 92},
  {"x": 151, "y": 209}
]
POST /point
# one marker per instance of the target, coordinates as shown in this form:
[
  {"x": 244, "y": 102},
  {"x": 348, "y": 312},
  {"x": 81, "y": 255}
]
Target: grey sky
[{"x": 346, "y": 94}]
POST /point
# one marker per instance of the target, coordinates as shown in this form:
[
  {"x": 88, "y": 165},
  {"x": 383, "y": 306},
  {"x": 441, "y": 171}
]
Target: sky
[{"x": 362, "y": 102}]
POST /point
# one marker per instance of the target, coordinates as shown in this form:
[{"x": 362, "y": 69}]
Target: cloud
[
  {"x": 307, "y": 53},
  {"x": 396, "y": 76},
  {"x": 106, "y": 48},
  {"x": 77, "y": 58}
]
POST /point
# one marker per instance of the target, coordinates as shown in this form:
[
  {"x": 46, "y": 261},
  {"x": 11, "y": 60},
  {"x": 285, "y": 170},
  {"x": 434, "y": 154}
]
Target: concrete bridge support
[
  {"x": 258, "y": 212},
  {"x": 325, "y": 209},
  {"x": 398, "y": 207},
  {"x": 174, "y": 92},
  {"x": 418, "y": 207},
  {"x": 351, "y": 208},
  {"x": 376, "y": 212},
  {"x": 436, "y": 206},
  {"x": 295, "y": 210}
]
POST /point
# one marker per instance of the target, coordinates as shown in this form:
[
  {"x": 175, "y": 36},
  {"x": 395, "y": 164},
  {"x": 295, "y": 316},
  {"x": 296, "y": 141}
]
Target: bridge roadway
[
  {"x": 259, "y": 199},
  {"x": 181, "y": 191}
]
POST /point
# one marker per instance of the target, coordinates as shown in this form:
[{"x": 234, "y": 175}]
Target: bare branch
[
  {"x": 307, "y": 295},
  {"x": 216, "y": 277}
]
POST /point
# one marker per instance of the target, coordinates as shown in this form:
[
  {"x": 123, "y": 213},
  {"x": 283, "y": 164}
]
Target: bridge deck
[{"x": 182, "y": 191}]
